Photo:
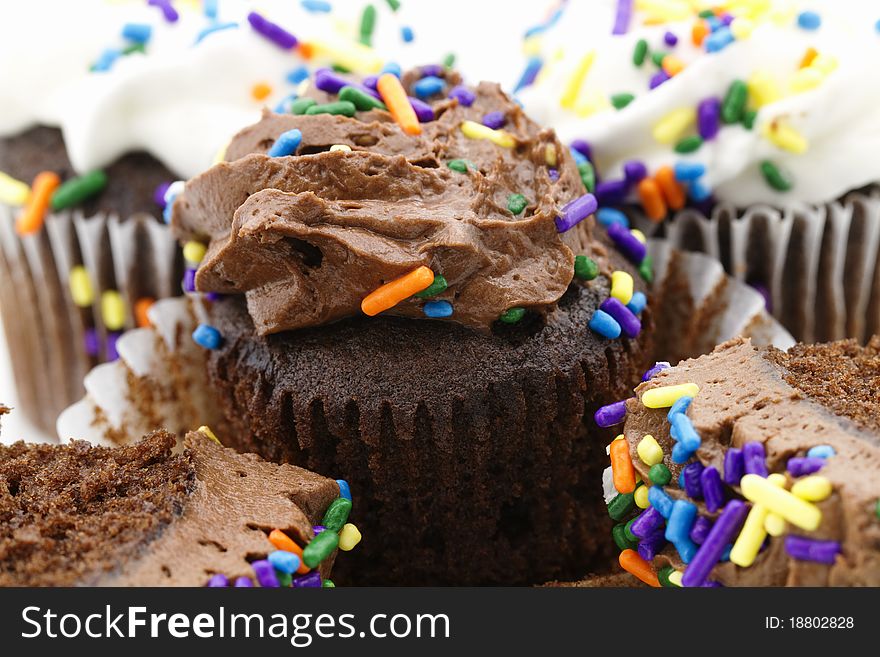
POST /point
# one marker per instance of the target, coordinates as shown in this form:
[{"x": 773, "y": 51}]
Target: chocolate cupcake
[
  {"x": 756, "y": 468},
  {"x": 457, "y": 414}
]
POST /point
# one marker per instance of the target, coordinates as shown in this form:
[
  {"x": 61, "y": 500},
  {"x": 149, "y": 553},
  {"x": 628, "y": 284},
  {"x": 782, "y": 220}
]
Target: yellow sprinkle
[
  {"x": 782, "y": 135},
  {"x": 641, "y": 497},
  {"x": 205, "y": 430},
  {"x": 576, "y": 81},
  {"x": 774, "y": 524},
  {"x": 81, "y": 287},
  {"x": 12, "y": 191},
  {"x": 194, "y": 252},
  {"x": 354, "y": 56},
  {"x": 622, "y": 287},
  {"x": 220, "y": 155},
  {"x": 742, "y": 28},
  {"x": 345, "y": 148},
  {"x": 533, "y": 45},
  {"x": 550, "y": 155},
  {"x": 750, "y": 539},
  {"x": 113, "y": 310},
  {"x": 666, "y": 396},
  {"x": 665, "y": 11},
  {"x": 608, "y": 447},
  {"x": 592, "y": 102},
  {"x": 777, "y": 479},
  {"x": 824, "y": 63},
  {"x": 672, "y": 127},
  {"x": 781, "y": 502},
  {"x": 649, "y": 451},
  {"x": 349, "y": 537},
  {"x": 806, "y": 79},
  {"x": 763, "y": 89},
  {"x": 639, "y": 235},
  {"x": 473, "y": 130},
  {"x": 814, "y": 488},
  {"x": 675, "y": 578}
]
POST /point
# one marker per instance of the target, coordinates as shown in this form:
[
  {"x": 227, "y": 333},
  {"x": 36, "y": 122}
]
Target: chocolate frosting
[
  {"x": 770, "y": 397},
  {"x": 307, "y": 237}
]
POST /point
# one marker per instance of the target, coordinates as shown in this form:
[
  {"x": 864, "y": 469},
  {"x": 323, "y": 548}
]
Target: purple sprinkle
[
  {"x": 576, "y": 211},
  {"x": 217, "y": 581},
  {"x": 583, "y": 148},
  {"x": 670, "y": 39},
  {"x": 168, "y": 11},
  {"x": 727, "y": 19},
  {"x": 608, "y": 416},
  {"x": 91, "y": 342},
  {"x": 713, "y": 491},
  {"x": 317, "y": 529},
  {"x": 712, "y": 585},
  {"x": 265, "y": 574},
  {"x": 463, "y": 95},
  {"x": 159, "y": 194},
  {"x": 700, "y": 530},
  {"x": 723, "y": 532},
  {"x": 494, "y": 120},
  {"x": 654, "y": 371},
  {"x": 634, "y": 171},
  {"x": 648, "y": 522},
  {"x": 274, "y": 33},
  {"x": 435, "y": 70},
  {"x": 657, "y": 79},
  {"x": 650, "y": 547},
  {"x": 754, "y": 459},
  {"x": 189, "y": 280},
  {"x": 623, "y": 16},
  {"x": 611, "y": 192},
  {"x": 691, "y": 475},
  {"x": 733, "y": 466},
  {"x": 804, "y": 465},
  {"x": 327, "y": 80},
  {"x": 553, "y": 174},
  {"x": 628, "y": 243},
  {"x": 371, "y": 82},
  {"x": 213, "y": 296},
  {"x": 764, "y": 291},
  {"x": 243, "y": 582},
  {"x": 809, "y": 549},
  {"x": 424, "y": 112},
  {"x": 312, "y": 580},
  {"x": 709, "y": 117},
  {"x": 110, "y": 352},
  {"x": 624, "y": 316}
]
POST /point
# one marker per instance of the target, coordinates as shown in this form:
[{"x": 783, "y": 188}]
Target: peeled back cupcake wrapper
[
  {"x": 158, "y": 380},
  {"x": 47, "y": 332}
]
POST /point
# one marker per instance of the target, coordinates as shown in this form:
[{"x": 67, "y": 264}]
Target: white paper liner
[{"x": 158, "y": 381}]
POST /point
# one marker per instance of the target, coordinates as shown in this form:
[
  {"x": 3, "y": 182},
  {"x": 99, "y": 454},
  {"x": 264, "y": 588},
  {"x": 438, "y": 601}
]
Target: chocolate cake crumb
[
  {"x": 70, "y": 513},
  {"x": 843, "y": 376}
]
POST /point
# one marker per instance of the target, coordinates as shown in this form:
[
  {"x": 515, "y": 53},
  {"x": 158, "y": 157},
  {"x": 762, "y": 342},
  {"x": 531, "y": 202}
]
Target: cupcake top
[
  {"x": 142, "y": 515},
  {"x": 420, "y": 197},
  {"x": 752, "y": 102},
  {"x": 758, "y": 468}
]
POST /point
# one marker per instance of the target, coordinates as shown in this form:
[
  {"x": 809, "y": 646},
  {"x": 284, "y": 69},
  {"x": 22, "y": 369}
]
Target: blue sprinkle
[
  {"x": 137, "y": 32},
  {"x": 660, "y": 500},
  {"x": 207, "y": 336},
  {"x": 437, "y": 309},
  {"x": 297, "y": 75},
  {"x": 106, "y": 60},
  {"x": 699, "y": 191},
  {"x": 688, "y": 171},
  {"x": 605, "y": 325},
  {"x": 533, "y": 67},
  {"x": 608, "y": 216},
  {"x": 284, "y": 561},
  {"x": 316, "y": 6},
  {"x": 393, "y": 68},
  {"x": 579, "y": 158},
  {"x": 216, "y": 27},
  {"x": 821, "y": 451},
  {"x": 725, "y": 556},
  {"x": 209, "y": 7},
  {"x": 428, "y": 86},
  {"x": 406, "y": 33},
  {"x": 714, "y": 23},
  {"x": 638, "y": 302},
  {"x": 680, "y": 454},
  {"x": 344, "y": 489},
  {"x": 678, "y": 528},
  {"x": 681, "y": 479},
  {"x": 286, "y": 144},
  {"x": 809, "y": 20},
  {"x": 284, "y": 105},
  {"x": 679, "y": 406},
  {"x": 719, "y": 39},
  {"x": 688, "y": 438},
  {"x": 877, "y": 25}
]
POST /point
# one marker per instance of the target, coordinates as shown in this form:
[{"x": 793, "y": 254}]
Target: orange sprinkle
[
  {"x": 699, "y": 32},
  {"x": 632, "y": 563},
  {"x": 673, "y": 192},
  {"x": 283, "y": 542},
  {"x": 624, "y": 475},
  {"x": 394, "y": 95},
  {"x": 652, "y": 199},
  {"x": 31, "y": 218},
  {"x": 672, "y": 65},
  {"x": 720, "y": 11},
  {"x": 305, "y": 50},
  {"x": 141, "y": 308},
  {"x": 808, "y": 58},
  {"x": 391, "y": 294},
  {"x": 261, "y": 91}
]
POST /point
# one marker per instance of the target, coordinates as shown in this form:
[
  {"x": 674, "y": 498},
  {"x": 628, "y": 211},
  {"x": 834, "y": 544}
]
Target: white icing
[{"x": 839, "y": 118}]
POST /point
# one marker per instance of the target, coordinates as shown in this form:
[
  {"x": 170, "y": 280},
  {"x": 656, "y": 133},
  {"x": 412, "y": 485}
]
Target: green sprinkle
[
  {"x": 627, "y": 529},
  {"x": 588, "y": 176},
  {"x": 368, "y": 24},
  {"x": 516, "y": 203},
  {"x": 328, "y": 584},
  {"x": 75, "y": 191},
  {"x": 621, "y": 100},
  {"x": 618, "y": 533},
  {"x": 339, "y": 108},
  {"x": 134, "y": 47},
  {"x": 640, "y": 52},
  {"x": 301, "y": 105},
  {"x": 621, "y": 506},
  {"x": 663, "y": 575},
  {"x": 320, "y": 548},
  {"x": 734, "y": 103},
  {"x": 585, "y": 268},
  {"x": 646, "y": 269},
  {"x": 394, "y": 4},
  {"x": 512, "y": 315},
  {"x": 774, "y": 177},
  {"x": 706, "y": 13},
  {"x": 339, "y": 68},
  {"x": 877, "y": 509},
  {"x": 657, "y": 58},
  {"x": 689, "y": 144},
  {"x": 284, "y": 579},
  {"x": 659, "y": 474},
  {"x": 336, "y": 514},
  {"x": 449, "y": 60},
  {"x": 749, "y": 119},
  {"x": 437, "y": 287},
  {"x": 461, "y": 165},
  {"x": 360, "y": 99}
]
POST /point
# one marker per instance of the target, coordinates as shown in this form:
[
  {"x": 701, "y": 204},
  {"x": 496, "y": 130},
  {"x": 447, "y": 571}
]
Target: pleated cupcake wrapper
[
  {"x": 819, "y": 264},
  {"x": 46, "y": 331},
  {"x": 159, "y": 380}
]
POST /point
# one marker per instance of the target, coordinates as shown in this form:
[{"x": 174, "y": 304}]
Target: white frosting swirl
[{"x": 838, "y": 118}]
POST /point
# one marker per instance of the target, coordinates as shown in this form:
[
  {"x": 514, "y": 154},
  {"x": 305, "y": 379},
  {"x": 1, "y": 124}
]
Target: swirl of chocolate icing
[{"x": 306, "y": 237}]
